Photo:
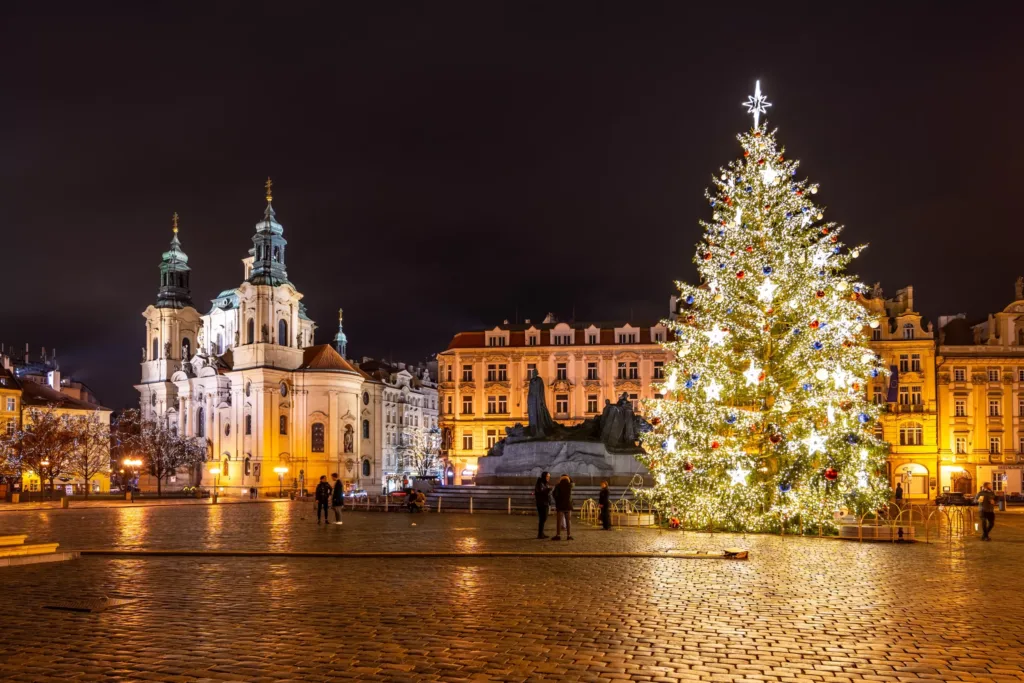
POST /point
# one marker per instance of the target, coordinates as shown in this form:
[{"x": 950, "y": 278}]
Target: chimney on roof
[
  {"x": 505, "y": 321},
  {"x": 550, "y": 318},
  {"x": 527, "y": 321}
]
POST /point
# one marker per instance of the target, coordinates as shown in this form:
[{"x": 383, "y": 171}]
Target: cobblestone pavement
[{"x": 798, "y": 610}]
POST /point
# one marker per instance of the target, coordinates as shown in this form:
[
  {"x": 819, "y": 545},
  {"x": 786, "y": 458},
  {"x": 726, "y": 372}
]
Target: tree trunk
[{"x": 159, "y": 481}]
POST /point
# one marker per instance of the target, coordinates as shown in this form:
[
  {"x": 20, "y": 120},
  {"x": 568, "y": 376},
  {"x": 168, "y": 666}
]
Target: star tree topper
[{"x": 757, "y": 104}]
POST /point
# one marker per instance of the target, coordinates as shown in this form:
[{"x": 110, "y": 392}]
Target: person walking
[
  {"x": 322, "y": 495},
  {"x": 542, "y": 497},
  {"x": 605, "y": 503},
  {"x": 563, "y": 507},
  {"x": 337, "y": 499},
  {"x": 987, "y": 509}
]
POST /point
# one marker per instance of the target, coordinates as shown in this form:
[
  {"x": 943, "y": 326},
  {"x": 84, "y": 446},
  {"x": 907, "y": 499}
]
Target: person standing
[
  {"x": 337, "y": 499},
  {"x": 898, "y": 494},
  {"x": 542, "y": 497},
  {"x": 322, "y": 495},
  {"x": 563, "y": 508},
  {"x": 987, "y": 509},
  {"x": 605, "y": 503}
]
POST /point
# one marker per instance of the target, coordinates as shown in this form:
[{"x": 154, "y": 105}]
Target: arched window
[
  {"x": 366, "y": 467},
  {"x": 911, "y": 434},
  {"x": 225, "y": 468},
  {"x": 186, "y": 348},
  {"x": 201, "y": 422},
  {"x": 250, "y": 331},
  {"x": 277, "y": 254},
  {"x": 316, "y": 441},
  {"x": 156, "y": 349},
  {"x": 248, "y": 425},
  {"x": 248, "y": 466},
  {"x": 282, "y": 332},
  {"x": 283, "y": 424},
  {"x": 908, "y": 330},
  {"x": 366, "y": 429},
  {"x": 220, "y": 344}
]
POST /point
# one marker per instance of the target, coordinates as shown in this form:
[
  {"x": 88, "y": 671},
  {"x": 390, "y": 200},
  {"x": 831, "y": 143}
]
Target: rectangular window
[
  {"x": 998, "y": 479},
  {"x": 876, "y": 335},
  {"x": 629, "y": 338},
  {"x": 561, "y": 339},
  {"x": 635, "y": 400},
  {"x": 1020, "y": 375},
  {"x": 877, "y": 396},
  {"x": 492, "y": 405},
  {"x": 993, "y": 407},
  {"x": 904, "y": 396},
  {"x": 1020, "y": 407},
  {"x": 659, "y": 337},
  {"x": 561, "y": 372},
  {"x": 659, "y": 369},
  {"x": 497, "y": 341},
  {"x": 621, "y": 374},
  {"x": 11, "y": 426},
  {"x": 448, "y": 405},
  {"x": 908, "y": 331},
  {"x": 467, "y": 405},
  {"x": 1020, "y": 445},
  {"x": 915, "y": 362},
  {"x": 449, "y": 369},
  {"x": 467, "y": 373},
  {"x": 33, "y": 485},
  {"x": 995, "y": 445},
  {"x": 248, "y": 425},
  {"x": 591, "y": 370},
  {"x": 591, "y": 338},
  {"x": 492, "y": 373},
  {"x": 531, "y": 370},
  {"x": 959, "y": 374},
  {"x": 502, "y": 372},
  {"x": 562, "y": 404},
  {"x": 282, "y": 426},
  {"x": 904, "y": 363},
  {"x": 592, "y": 403},
  {"x": 11, "y": 404},
  {"x": 531, "y": 340},
  {"x": 492, "y": 438},
  {"x": 960, "y": 408},
  {"x": 503, "y": 405},
  {"x": 634, "y": 370},
  {"x": 467, "y": 441},
  {"x": 915, "y": 396},
  {"x": 961, "y": 445},
  {"x": 993, "y": 374}
]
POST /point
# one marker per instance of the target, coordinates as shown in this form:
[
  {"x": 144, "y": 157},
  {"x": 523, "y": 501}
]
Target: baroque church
[{"x": 275, "y": 409}]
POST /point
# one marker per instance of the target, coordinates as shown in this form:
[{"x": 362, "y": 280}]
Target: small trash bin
[
  {"x": 127, "y": 495},
  {"x": 1002, "y": 503},
  {"x": 65, "y": 503},
  {"x": 15, "y": 497}
]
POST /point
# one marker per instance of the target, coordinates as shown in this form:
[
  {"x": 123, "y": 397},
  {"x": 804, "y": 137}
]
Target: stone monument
[{"x": 598, "y": 449}]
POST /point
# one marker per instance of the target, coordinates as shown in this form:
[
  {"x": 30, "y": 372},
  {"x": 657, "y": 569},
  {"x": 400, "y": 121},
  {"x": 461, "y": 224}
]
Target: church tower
[
  {"x": 340, "y": 340},
  {"x": 268, "y": 248},
  {"x": 172, "y": 331}
]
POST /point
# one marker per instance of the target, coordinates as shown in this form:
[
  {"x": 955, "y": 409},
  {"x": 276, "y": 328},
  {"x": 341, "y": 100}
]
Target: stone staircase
[
  {"x": 14, "y": 551},
  {"x": 508, "y": 498}
]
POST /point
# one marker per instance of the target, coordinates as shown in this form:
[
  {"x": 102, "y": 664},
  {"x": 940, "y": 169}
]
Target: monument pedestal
[{"x": 586, "y": 462}]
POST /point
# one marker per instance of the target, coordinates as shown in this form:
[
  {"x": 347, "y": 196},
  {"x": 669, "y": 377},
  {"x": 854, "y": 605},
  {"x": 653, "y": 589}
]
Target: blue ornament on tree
[
  {"x": 730, "y": 419},
  {"x": 807, "y": 386},
  {"x": 852, "y": 439},
  {"x": 767, "y": 270},
  {"x": 695, "y": 376},
  {"x": 835, "y": 250},
  {"x": 689, "y": 384},
  {"x": 874, "y": 372},
  {"x": 817, "y": 346},
  {"x": 785, "y": 487},
  {"x": 749, "y": 188},
  {"x": 864, "y": 418},
  {"x": 689, "y": 299}
]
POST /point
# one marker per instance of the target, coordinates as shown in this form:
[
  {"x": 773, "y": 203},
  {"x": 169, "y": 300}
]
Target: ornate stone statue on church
[
  {"x": 264, "y": 333},
  {"x": 348, "y": 439},
  {"x": 167, "y": 349},
  {"x": 298, "y": 340},
  {"x": 143, "y": 353},
  {"x": 236, "y": 337}
]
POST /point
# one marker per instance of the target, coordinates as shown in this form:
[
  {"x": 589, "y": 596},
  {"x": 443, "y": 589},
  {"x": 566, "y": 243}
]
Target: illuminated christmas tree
[{"x": 765, "y": 419}]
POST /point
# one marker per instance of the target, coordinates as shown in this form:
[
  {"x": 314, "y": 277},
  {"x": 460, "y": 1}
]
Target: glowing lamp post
[
  {"x": 133, "y": 464},
  {"x": 280, "y": 480},
  {"x": 215, "y": 471}
]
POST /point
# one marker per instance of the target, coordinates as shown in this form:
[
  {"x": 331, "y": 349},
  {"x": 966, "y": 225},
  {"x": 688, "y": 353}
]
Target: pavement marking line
[{"x": 713, "y": 555}]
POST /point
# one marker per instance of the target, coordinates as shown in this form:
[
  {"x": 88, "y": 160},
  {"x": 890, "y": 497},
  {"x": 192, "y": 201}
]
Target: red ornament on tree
[
  {"x": 775, "y": 438},
  {"x": 824, "y": 231},
  {"x": 746, "y": 153},
  {"x": 740, "y": 275},
  {"x": 750, "y": 249},
  {"x": 655, "y": 421},
  {"x": 831, "y": 474},
  {"x": 688, "y": 466},
  {"x": 820, "y": 294},
  {"x": 707, "y": 256},
  {"x": 814, "y": 324},
  {"x": 715, "y": 444}
]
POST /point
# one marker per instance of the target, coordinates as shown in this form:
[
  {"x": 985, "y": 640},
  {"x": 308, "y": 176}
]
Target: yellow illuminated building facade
[
  {"x": 909, "y": 424},
  {"x": 484, "y": 376},
  {"x": 981, "y": 400}
]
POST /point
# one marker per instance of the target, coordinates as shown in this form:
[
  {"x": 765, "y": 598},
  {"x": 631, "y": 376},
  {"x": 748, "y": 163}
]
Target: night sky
[{"x": 442, "y": 166}]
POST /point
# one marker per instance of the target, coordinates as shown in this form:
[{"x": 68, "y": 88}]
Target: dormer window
[
  {"x": 908, "y": 331},
  {"x": 627, "y": 337},
  {"x": 497, "y": 337}
]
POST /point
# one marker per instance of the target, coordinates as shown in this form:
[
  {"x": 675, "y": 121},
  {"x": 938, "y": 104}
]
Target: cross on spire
[
  {"x": 174, "y": 223},
  {"x": 269, "y": 185},
  {"x": 757, "y": 104}
]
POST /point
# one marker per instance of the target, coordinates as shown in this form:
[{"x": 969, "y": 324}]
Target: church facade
[{"x": 276, "y": 410}]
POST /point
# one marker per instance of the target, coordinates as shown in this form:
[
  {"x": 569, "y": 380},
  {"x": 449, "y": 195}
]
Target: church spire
[
  {"x": 268, "y": 266},
  {"x": 340, "y": 340},
  {"x": 174, "y": 291}
]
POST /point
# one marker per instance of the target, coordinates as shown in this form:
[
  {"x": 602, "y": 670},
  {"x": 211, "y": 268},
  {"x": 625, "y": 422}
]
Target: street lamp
[
  {"x": 133, "y": 464},
  {"x": 280, "y": 480},
  {"x": 215, "y": 471}
]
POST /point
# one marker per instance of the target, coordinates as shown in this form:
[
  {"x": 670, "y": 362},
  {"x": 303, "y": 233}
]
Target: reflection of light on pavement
[
  {"x": 131, "y": 527},
  {"x": 214, "y": 526},
  {"x": 280, "y": 520},
  {"x": 466, "y": 544}
]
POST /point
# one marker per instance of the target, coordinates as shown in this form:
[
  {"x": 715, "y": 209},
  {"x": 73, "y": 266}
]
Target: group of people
[
  {"x": 543, "y": 494},
  {"x": 986, "y": 500},
  {"x": 329, "y": 496}
]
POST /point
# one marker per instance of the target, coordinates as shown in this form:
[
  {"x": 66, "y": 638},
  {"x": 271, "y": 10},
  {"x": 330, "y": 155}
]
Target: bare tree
[
  {"x": 420, "y": 454},
  {"x": 162, "y": 451},
  {"x": 44, "y": 444},
  {"x": 91, "y": 454}
]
